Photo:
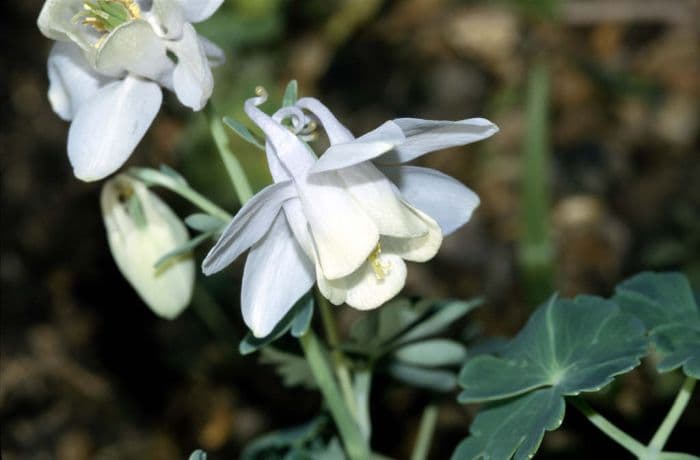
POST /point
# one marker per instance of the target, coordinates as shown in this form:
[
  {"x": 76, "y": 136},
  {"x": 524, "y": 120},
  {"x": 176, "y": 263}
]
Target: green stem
[
  {"x": 239, "y": 180},
  {"x": 425, "y": 433},
  {"x": 341, "y": 368},
  {"x": 213, "y": 316},
  {"x": 201, "y": 202},
  {"x": 363, "y": 385},
  {"x": 354, "y": 443},
  {"x": 674, "y": 414},
  {"x": 632, "y": 445}
]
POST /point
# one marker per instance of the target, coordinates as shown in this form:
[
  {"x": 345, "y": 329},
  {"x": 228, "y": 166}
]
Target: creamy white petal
[
  {"x": 418, "y": 249},
  {"x": 442, "y": 197},
  {"x": 335, "y": 291},
  {"x": 425, "y": 136},
  {"x": 337, "y": 133},
  {"x": 367, "y": 147},
  {"x": 248, "y": 226},
  {"x": 199, "y": 10},
  {"x": 299, "y": 225},
  {"x": 167, "y": 18},
  {"x": 363, "y": 289},
  {"x": 378, "y": 198},
  {"x": 214, "y": 54},
  {"x": 277, "y": 273},
  {"x": 56, "y": 22},
  {"x": 109, "y": 125},
  {"x": 192, "y": 77},
  {"x": 290, "y": 151},
  {"x": 71, "y": 79},
  {"x": 133, "y": 47},
  {"x": 343, "y": 234}
]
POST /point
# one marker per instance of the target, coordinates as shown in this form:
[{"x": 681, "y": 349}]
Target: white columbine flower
[
  {"x": 108, "y": 64},
  {"x": 347, "y": 220},
  {"x": 140, "y": 230}
]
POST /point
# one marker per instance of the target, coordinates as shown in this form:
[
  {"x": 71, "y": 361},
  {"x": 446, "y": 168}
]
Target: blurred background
[{"x": 593, "y": 177}]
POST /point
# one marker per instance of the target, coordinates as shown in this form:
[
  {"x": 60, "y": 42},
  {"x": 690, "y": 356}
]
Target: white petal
[
  {"x": 192, "y": 78},
  {"x": 425, "y": 136},
  {"x": 248, "y": 226},
  {"x": 277, "y": 273},
  {"x": 299, "y": 225},
  {"x": 365, "y": 290},
  {"x": 71, "y": 79},
  {"x": 109, "y": 125},
  {"x": 56, "y": 22},
  {"x": 133, "y": 47},
  {"x": 199, "y": 10},
  {"x": 367, "y": 147},
  {"x": 214, "y": 54},
  {"x": 337, "y": 133},
  {"x": 419, "y": 249},
  {"x": 344, "y": 235},
  {"x": 378, "y": 198},
  {"x": 290, "y": 151},
  {"x": 167, "y": 18},
  {"x": 442, "y": 197}
]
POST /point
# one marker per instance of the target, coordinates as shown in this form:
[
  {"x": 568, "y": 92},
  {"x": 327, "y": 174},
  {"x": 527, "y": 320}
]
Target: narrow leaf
[
  {"x": 290, "y": 94},
  {"x": 243, "y": 132},
  {"x": 436, "y": 380},
  {"x": 204, "y": 222},
  {"x": 181, "y": 250},
  {"x": 432, "y": 353}
]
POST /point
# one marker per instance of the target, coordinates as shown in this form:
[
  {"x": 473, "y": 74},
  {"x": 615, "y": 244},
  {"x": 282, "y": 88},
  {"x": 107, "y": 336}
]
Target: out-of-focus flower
[
  {"x": 140, "y": 230},
  {"x": 339, "y": 220},
  {"x": 108, "y": 64}
]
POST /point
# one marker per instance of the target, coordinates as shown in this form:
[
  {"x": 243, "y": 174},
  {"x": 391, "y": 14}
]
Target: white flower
[
  {"x": 140, "y": 230},
  {"x": 108, "y": 64},
  {"x": 339, "y": 220}
]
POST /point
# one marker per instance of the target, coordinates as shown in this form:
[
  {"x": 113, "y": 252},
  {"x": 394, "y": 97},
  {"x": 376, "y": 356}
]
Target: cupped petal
[
  {"x": 418, "y": 249},
  {"x": 248, "y": 226},
  {"x": 425, "y": 136},
  {"x": 364, "y": 148},
  {"x": 56, "y": 22},
  {"x": 365, "y": 289},
  {"x": 290, "y": 151},
  {"x": 71, "y": 79},
  {"x": 133, "y": 47},
  {"x": 109, "y": 125},
  {"x": 377, "y": 196},
  {"x": 192, "y": 78},
  {"x": 277, "y": 273},
  {"x": 442, "y": 197},
  {"x": 167, "y": 18},
  {"x": 199, "y": 10},
  {"x": 337, "y": 133},
  {"x": 343, "y": 234}
]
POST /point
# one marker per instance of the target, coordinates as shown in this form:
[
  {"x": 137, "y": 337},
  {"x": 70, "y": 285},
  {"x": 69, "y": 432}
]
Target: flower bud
[{"x": 141, "y": 229}]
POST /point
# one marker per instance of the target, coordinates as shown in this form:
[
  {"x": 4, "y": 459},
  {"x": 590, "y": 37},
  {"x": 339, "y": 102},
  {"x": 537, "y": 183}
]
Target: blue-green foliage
[{"x": 305, "y": 442}]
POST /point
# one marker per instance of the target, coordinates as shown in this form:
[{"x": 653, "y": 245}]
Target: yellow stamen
[
  {"x": 381, "y": 269},
  {"x": 105, "y": 15}
]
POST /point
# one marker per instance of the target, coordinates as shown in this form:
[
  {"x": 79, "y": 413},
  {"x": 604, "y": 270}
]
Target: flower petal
[
  {"x": 337, "y": 133},
  {"x": 56, "y": 22},
  {"x": 109, "y": 125},
  {"x": 363, "y": 289},
  {"x": 71, "y": 79},
  {"x": 442, "y": 197},
  {"x": 214, "y": 54},
  {"x": 248, "y": 226},
  {"x": 277, "y": 273},
  {"x": 192, "y": 78},
  {"x": 367, "y": 147},
  {"x": 425, "y": 136},
  {"x": 378, "y": 198},
  {"x": 344, "y": 235},
  {"x": 418, "y": 249},
  {"x": 133, "y": 47},
  {"x": 199, "y": 10},
  {"x": 167, "y": 18}
]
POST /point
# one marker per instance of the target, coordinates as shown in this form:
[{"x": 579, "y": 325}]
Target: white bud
[{"x": 141, "y": 229}]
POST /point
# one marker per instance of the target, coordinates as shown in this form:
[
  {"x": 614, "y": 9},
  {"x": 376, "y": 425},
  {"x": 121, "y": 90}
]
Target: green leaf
[
  {"x": 293, "y": 442},
  {"x": 513, "y": 428},
  {"x": 168, "y": 171},
  {"x": 379, "y": 326},
  {"x": 567, "y": 346},
  {"x": 666, "y": 305},
  {"x": 446, "y": 313},
  {"x": 198, "y": 455},
  {"x": 432, "y": 379},
  {"x": 204, "y": 222},
  {"x": 182, "y": 249},
  {"x": 293, "y": 369},
  {"x": 290, "y": 94},
  {"x": 432, "y": 353},
  {"x": 243, "y": 132},
  {"x": 251, "y": 344}
]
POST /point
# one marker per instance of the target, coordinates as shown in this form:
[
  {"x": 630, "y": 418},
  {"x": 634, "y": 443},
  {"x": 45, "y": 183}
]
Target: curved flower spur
[
  {"x": 105, "y": 70},
  {"x": 339, "y": 220}
]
